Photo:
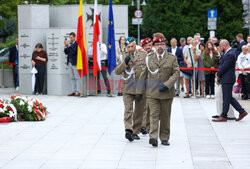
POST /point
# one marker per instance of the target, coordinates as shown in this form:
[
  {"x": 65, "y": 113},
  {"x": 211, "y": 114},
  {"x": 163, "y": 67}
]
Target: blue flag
[{"x": 111, "y": 41}]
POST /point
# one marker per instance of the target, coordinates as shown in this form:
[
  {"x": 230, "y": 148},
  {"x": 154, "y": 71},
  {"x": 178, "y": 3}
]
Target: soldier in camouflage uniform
[
  {"x": 161, "y": 73},
  {"x": 130, "y": 67}
]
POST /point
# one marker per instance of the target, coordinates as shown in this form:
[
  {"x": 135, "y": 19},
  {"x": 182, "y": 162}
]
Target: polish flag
[
  {"x": 96, "y": 43},
  {"x": 82, "y": 64}
]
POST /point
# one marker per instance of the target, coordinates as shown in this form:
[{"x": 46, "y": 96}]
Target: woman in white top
[
  {"x": 119, "y": 50},
  {"x": 191, "y": 59},
  {"x": 243, "y": 62}
]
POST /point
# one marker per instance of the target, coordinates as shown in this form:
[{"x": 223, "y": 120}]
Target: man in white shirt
[
  {"x": 103, "y": 55},
  {"x": 243, "y": 62},
  {"x": 188, "y": 45},
  {"x": 197, "y": 37}
]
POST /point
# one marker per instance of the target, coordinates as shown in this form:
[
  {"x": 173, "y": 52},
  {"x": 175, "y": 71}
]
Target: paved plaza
[{"x": 88, "y": 133}]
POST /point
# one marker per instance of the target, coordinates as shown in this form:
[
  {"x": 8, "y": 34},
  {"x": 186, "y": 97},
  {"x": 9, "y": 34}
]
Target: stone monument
[{"x": 50, "y": 26}]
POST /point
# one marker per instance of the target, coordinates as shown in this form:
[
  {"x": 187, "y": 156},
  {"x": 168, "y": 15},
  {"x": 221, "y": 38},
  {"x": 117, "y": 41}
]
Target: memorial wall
[{"x": 50, "y": 26}]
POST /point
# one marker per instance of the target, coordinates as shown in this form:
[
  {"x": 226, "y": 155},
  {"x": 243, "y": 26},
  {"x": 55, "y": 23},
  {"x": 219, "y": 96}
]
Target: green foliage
[
  {"x": 8, "y": 11},
  {"x": 63, "y": 2},
  {"x": 8, "y": 28},
  {"x": 183, "y": 18},
  {"x": 5, "y": 66},
  {"x": 8, "y": 8},
  {"x": 23, "y": 111},
  {"x": 10, "y": 41},
  {"x": 174, "y": 18}
]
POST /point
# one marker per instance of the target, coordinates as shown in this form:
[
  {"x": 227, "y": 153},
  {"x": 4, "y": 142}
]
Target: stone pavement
[{"x": 88, "y": 133}]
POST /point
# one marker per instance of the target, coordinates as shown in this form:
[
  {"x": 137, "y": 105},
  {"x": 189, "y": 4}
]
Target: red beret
[
  {"x": 146, "y": 41},
  {"x": 159, "y": 40}
]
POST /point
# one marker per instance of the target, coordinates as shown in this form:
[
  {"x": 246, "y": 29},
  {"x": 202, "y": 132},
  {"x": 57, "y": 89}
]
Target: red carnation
[
  {"x": 1, "y": 106},
  {"x": 37, "y": 111},
  {"x": 38, "y": 118},
  {"x": 37, "y": 103},
  {"x": 9, "y": 108}
]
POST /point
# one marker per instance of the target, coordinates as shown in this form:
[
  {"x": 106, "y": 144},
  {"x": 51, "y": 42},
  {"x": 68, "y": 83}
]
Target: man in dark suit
[
  {"x": 13, "y": 58},
  {"x": 226, "y": 76},
  {"x": 71, "y": 50},
  {"x": 241, "y": 41},
  {"x": 175, "y": 50}
]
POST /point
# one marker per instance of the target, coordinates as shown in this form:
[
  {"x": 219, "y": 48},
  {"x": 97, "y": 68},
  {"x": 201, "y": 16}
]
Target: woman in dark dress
[
  {"x": 201, "y": 75},
  {"x": 39, "y": 59}
]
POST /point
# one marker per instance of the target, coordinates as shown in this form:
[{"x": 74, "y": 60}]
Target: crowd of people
[
  {"x": 192, "y": 52},
  {"x": 153, "y": 73}
]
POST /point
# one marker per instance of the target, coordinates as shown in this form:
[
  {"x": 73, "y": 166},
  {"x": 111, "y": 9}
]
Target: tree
[
  {"x": 8, "y": 9},
  {"x": 8, "y": 12},
  {"x": 8, "y": 29},
  {"x": 183, "y": 18}
]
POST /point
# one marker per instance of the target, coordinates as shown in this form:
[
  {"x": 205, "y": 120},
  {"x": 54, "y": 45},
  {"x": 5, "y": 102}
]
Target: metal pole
[
  {"x": 248, "y": 16},
  {"x": 138, "y": 26},
  {"x": 194, "y": 85},
  {"x": 110, "y": 85},
  {"x": 82, "y": 78},
  {"x": 2, "y": 85}
]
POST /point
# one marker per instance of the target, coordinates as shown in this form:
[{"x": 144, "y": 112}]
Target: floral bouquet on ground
[
  {"x": 8, "y": 111},
  {"x": 29, "y": 109}
]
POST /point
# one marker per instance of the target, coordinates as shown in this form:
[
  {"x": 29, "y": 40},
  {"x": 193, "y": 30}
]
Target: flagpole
[
  {"x": 111, "y": 85},
  {"x": 96, "y": 66},
  {"x": 82, "y": 83},
  {"x": 96, "y": 86}
]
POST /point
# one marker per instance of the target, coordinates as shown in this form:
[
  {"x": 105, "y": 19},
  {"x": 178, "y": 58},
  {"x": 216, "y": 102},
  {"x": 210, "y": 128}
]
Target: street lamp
[
  {"x": 132, "y": 3},
  {"x": 138, "y": 26},
  {"x": 144, "y": 3}
]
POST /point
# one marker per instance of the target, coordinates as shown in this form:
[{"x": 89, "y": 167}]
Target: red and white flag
[{"x": 96, "y": 43}]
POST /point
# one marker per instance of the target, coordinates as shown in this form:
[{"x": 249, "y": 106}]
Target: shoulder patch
[
  {"x": 170, "y": 55},
  {"x": 142, "y": 52},
  {"x": 150, "y": 54}
]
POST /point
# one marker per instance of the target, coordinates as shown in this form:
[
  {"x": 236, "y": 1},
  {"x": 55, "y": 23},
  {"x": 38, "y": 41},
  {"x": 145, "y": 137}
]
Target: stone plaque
[{"x": 53, "y": 50}]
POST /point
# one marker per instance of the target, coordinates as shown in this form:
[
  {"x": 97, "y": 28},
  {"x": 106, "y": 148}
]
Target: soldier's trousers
[
  {"x": 146, "y": 116},
  {"x": 156, "y": 106},
  {"x": 133, "y": 113}
]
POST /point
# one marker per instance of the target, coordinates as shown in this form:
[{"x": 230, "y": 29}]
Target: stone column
[{"x": 33, "y": 22}]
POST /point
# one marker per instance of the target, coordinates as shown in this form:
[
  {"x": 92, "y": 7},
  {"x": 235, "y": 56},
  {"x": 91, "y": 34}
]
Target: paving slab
[{"x": 88, "y": 133}]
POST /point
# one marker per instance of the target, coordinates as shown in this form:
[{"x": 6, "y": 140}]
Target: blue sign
[{"x": 212, "y": 13}]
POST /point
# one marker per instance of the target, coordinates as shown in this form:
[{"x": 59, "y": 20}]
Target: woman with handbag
[
  {"x": 191, "y": 59},
  {"x": 209, "y": 61}
]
